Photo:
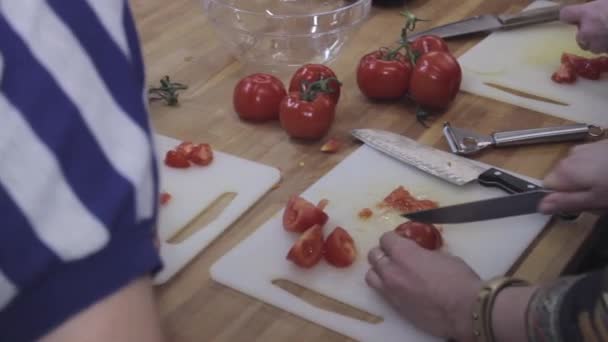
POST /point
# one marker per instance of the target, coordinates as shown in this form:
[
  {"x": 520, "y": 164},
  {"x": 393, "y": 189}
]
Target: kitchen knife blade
[
  {"x": 493, "y": 208},
  {"x": 452, "y": 168},
  {"x": 489, "y": 22}
]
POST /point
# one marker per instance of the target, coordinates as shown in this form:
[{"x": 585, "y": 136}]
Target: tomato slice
[
  {"x": 177, "y": 159},
  {"x": 164, "y": 198},
  {"x": 400, "y": 199},
  {"x": 201, "y": 154},
  {"x": 331, "y": 146},
  {"x": 583, "y": 67},
  {"x": 323, "y": 204},
  {"x": 340, "y": 248},
  {"x": 565, "y": 74},
  {"x": 602, "y": 63},
  {"x": 425, "y": 235},
  {"x": 307, "y": 251},
  {"x": 186, "y": 148},
  {"x": 299, "y": 215}
]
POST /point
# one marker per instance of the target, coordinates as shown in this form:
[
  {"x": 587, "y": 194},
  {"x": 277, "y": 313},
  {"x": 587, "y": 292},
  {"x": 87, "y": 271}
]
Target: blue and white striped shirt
[{"x": 78, "y": 177}]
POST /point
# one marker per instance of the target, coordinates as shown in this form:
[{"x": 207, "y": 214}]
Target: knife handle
[
  {"x": 509, "y": 183},
  {"x": 535, "y": 16}
]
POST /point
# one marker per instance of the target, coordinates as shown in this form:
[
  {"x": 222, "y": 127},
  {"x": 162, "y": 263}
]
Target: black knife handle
[{"x": 509, "y": 183}]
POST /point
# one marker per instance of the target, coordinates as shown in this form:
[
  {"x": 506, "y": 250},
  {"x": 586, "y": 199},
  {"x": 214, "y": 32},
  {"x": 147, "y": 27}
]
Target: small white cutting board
[
  {"x": 362, "y": 180},
  {"x": 194, "y": 189},
  {"x": 524, "y": 59}
]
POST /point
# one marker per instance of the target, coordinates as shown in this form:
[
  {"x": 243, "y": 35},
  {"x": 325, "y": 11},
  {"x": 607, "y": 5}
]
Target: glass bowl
[{"x": 285, "y": 32}]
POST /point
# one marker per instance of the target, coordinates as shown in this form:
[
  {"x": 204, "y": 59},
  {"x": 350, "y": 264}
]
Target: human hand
[
  {"x": 580, "y": 180},
  {"x": 433, "y": 290},
  {"x": 592, "y": 21}
]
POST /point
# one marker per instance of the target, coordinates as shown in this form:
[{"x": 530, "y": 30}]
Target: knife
[
  {"x": 452, "y": 168},
  {"x": 494, "y": 208},
  {"x": 490, "y": 22}
]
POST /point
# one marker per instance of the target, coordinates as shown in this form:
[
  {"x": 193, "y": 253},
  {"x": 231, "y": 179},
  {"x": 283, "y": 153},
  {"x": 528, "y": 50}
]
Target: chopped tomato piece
[
  {"x": 365, "y": 213},
  {"x": 400, "y": 199},
  {"x": 308, "y": 250},
  {"x": 602, "y": 63},
  {"x": 299, "y": 215},
  {"x": 177, "y": 159},
  {"x": 565, "y": 74},
  {"x": 425, "y": 235},
  {"x": 583, "y": 67},
  {"x": 201, "y": 154},
  {"x": 340, "y": 248},
  {"x": 323, "y": 204},
  {"x": 164, "y": 198},
  {"x": 186, "y": 148},
  {"x": 332, "y": 145}
]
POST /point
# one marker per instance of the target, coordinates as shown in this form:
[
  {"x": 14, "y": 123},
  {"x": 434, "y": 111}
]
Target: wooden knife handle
[{"x": 509, "y": 183}]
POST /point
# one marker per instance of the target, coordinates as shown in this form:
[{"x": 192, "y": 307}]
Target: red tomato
[
  {"x": 565, "y": 74},
  {"x": 308, "y": 250},
  {"x": 382, "y": 79},
  {"x": 583, "y": 67},
  {"x": 435, "y": 80},
  {"x": 299, "y": 215},
  {"x": 425, "y": 44},
  {"x": 164, "y": 198},
  {"x": 307, "y": 119},
  {"x": 602, "y": 63},
  {"x": 177, "y": 159},
  {"x": 186, "y": 148},
  {"x": 201, "y": 154},
  {"x": 425, "y": 235},
  {"x": 340, "y": 248},
  {"x": 257, "y": 97},
  {"x": 309, "y": 73}
]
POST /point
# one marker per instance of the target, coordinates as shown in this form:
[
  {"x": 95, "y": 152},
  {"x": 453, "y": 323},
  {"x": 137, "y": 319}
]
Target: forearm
[{"x": 509, "y": 313}]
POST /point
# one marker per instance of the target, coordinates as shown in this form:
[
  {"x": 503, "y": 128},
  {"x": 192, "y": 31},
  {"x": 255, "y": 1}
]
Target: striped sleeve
[{"x": 78, "y": 177}]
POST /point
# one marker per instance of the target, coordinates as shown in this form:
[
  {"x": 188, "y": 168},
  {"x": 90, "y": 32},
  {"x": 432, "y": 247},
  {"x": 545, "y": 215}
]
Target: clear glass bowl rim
[{"x": 279, "y": 16}]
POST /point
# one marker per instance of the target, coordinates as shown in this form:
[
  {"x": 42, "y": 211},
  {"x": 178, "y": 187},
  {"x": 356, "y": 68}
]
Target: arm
[{"x": 130, "y": 314}]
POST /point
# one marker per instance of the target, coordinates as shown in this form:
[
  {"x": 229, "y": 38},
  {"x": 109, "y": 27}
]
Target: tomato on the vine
[
  {"x": 425, "y": 44},
  {"x": 310, "y": 73},
  {"x": 257, "y": 97},
  {"x": 435, "y": 80},
  {"x": 384, "y": 75}
]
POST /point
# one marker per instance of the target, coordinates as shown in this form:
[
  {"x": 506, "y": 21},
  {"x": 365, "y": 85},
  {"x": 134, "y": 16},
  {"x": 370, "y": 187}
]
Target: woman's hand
[
  {"x": 433, "y": 290},
  {"x": 592, "y": 21},
  {"x": 580, "y": 181}
]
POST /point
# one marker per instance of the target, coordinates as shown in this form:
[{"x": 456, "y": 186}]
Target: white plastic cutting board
[
  {"x": 362, "y": 180},
  {"x": 524, "y": 59},
  {"x": 193, "y": 190}
]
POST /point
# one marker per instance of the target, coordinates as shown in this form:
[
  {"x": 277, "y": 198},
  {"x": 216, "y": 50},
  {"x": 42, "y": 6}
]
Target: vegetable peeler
[{"x": 463, "y": 141}]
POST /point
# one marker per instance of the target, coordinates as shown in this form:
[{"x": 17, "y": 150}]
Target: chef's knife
[
  {"x": 489, "y": 22},
  {"x": 452, "y": 168},
  {"x": 493, "y": 208}
]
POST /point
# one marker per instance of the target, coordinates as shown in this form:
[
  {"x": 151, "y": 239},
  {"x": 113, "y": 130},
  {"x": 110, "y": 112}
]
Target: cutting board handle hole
[
  {"x": 206, "y": 216},
  {"x": 524, "y": 94},
  {"x": 326, "y": 303}
]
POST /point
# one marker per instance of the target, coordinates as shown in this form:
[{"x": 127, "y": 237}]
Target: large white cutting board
[
  {"x": 193, "y": 190},
  {"x": 362, "y": 180},
  {"x": 524, "y": 59}
]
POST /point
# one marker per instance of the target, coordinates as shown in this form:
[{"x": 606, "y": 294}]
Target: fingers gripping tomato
[
  {"x": 299, "y": 215},
  {"x": 384, "y": 76},
  {"x": 257, "y": 97},
  {"x": 310, "y": 73},
  {"x": 435, "y": 80},
  {"x": 340, "y": 248},
  {"x": 425, "y": 235},
  {"x": 307, "y": 251}
]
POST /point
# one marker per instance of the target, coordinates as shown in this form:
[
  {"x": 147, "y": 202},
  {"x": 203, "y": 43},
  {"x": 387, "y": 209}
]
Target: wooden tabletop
[{"x": 178, "y": 41}]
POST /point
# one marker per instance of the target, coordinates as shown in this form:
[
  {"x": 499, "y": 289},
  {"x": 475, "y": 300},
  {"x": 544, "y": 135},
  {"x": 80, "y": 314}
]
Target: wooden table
[{"x": 178, "y": 41}]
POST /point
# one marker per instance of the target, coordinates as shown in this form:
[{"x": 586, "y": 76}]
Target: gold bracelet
[{"x": 482, "y": 310}]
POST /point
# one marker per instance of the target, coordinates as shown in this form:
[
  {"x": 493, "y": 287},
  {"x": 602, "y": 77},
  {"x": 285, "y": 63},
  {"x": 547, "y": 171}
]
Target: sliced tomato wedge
[
  {"x": 186, "y": 148},
  {"x": 584, "y": 67},
  {"x": 401, "y": 199},
  {"x": 201, "y": 154},
  {"x": 177, "y": 159},
  {"x": 164, "y": 198},
  {"x": 565, "y": 74},
  {"x": 300, "y": 214},
  {"x": 323, "y": 204},
  {"x": 602, "y": 63},
  {"x": 307, "y": 251},
  {"x": 425, "y": 235},
  {"x": 340, "y": 248}
]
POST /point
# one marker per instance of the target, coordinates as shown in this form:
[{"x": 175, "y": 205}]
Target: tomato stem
[
  {"x": 167, "y": 91},
  {"x": 422, "y": 116},
  {"x": 310, "y": 90}
]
